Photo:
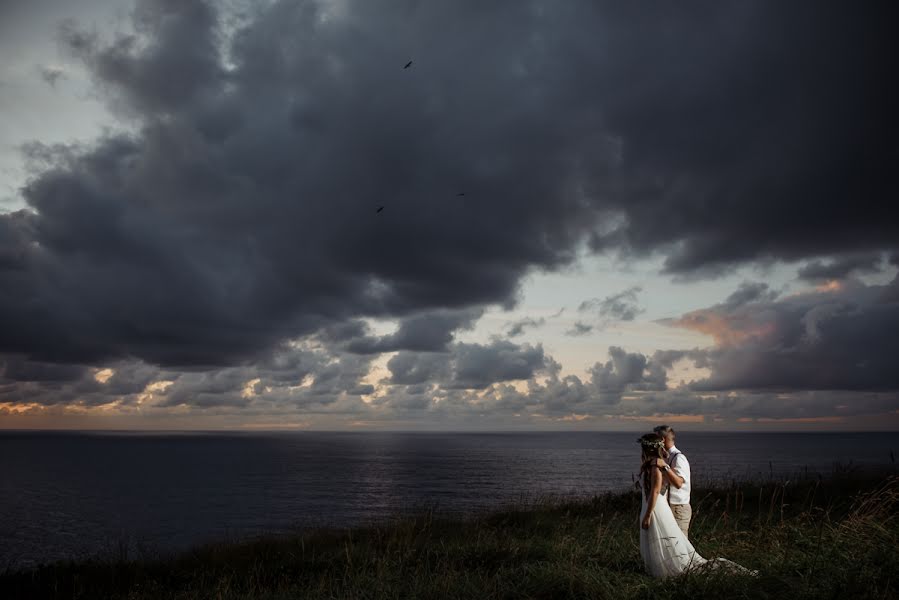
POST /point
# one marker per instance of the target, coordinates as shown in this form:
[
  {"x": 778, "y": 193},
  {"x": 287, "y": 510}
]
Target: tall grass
[{"x": 809, "y": 537}]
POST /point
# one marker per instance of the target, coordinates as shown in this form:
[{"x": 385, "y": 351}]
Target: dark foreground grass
[{"x": 836, "y": 537}]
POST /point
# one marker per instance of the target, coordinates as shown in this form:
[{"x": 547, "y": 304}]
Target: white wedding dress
[{"x": 665, "y": 549}]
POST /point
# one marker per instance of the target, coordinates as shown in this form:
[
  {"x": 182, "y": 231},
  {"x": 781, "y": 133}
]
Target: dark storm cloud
[
  {"x": 241, "y": 210},
  {"x": 751, "y": 130},
  {"x": 13, "y": 368},
  {"x": 168, "y": 64},
  {"x": 16, "y": 231}
]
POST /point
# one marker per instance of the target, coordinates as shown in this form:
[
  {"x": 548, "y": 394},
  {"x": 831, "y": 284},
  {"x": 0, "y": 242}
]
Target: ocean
[{"x": 78, "y": 494}]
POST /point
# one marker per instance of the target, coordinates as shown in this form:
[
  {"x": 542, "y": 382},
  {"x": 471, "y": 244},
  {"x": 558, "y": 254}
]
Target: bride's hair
[{"x": 652, "y": 446}]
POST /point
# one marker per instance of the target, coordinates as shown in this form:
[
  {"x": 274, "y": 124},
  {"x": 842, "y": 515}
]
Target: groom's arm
[
  {"x": 671, "y": 475},
  {"x": 680, "y": 472}
]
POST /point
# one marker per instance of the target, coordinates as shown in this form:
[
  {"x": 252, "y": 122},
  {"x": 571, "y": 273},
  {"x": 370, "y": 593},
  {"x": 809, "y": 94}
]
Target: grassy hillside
[{"x": 811, "y": 538}]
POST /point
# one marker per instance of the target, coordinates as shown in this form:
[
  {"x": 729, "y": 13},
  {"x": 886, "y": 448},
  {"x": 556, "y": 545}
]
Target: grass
[{"x": 810, "y": 537}]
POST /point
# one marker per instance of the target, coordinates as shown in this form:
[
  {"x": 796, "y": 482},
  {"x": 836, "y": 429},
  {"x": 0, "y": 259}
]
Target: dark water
[{"x": 68, "y": 495}]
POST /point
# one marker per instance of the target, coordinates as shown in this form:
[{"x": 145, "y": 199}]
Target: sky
[{"x": 564, "y": 216}]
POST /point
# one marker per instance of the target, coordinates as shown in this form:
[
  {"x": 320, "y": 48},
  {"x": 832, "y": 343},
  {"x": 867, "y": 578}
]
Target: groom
[{"x": 677, "y": 473}]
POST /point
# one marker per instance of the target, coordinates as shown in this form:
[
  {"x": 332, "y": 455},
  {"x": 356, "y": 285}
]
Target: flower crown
[{"x": 654, "y": 444}]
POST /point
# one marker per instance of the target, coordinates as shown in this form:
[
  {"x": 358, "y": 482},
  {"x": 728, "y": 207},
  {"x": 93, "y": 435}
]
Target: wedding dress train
[{"x": 667, "y": 551}]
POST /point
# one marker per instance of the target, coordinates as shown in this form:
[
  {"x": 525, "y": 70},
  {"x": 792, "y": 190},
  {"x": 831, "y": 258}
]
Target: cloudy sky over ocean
[{"x": 596, "y": 215}]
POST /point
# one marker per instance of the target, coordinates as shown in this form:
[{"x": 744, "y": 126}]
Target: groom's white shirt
[{"x": 681, "y": 466}]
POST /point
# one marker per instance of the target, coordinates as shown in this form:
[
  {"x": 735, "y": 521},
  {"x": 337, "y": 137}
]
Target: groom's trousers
[{"x": 682, "y": 514}]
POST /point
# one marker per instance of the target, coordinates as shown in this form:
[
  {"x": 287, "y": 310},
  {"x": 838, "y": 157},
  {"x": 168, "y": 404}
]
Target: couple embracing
[{"x": 665, "y": 511}]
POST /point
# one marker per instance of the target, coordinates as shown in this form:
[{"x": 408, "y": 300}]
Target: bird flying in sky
[
  {"x": 408, "y": 64},
  {"x": 380, "y": 208}
]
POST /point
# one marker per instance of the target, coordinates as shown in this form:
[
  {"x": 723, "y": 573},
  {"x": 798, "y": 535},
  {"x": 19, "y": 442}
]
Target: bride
[{"x": 663, "y": 546}]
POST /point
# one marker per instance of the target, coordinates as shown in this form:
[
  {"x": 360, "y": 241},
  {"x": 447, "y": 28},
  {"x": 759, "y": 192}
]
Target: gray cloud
[
  {"x": 517, "y": 327},
  {"x": 452, "y": 393},
  {"x": 477, "y": 365},
  {"x": 835, "y": 339},
  {"x": 579, "y": 328},
  {"x": 469, "y": 366},
  {"x": 626, "y": 372},
  {"x": 428, "y": 331},
  {"x": 622, "y": 306},
  {"x": 751, "y": 292},
  {"x": 617, "y": 307},
  {"x": 458, "y": 388},
  {"x": 842, "y": 266},
  {"x": 51, "y": 74},
  {"x": 411, "y": 368}
]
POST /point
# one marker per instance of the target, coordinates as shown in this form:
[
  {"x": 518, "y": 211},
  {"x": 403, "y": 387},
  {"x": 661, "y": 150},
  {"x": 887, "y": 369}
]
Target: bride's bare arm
[{"x": 656, "y": 487}]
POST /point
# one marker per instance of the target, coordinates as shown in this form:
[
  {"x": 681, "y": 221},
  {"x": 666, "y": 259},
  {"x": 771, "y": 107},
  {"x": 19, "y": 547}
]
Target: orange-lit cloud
[
  {"x": 151, "y": 389},
  {"x": 725, "y": 329},
  {"x": 833, "y": 285},
  {"x": 810, "y": 420},
  {"x": 103, "y": 375},
  {"x": 277, "y": 425},
  {"x": 250, "y": 388},
  {"x": 14, "y": 408},
  {"x": 670, "y": 418},
  {"x": 573, "y": 417}
]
